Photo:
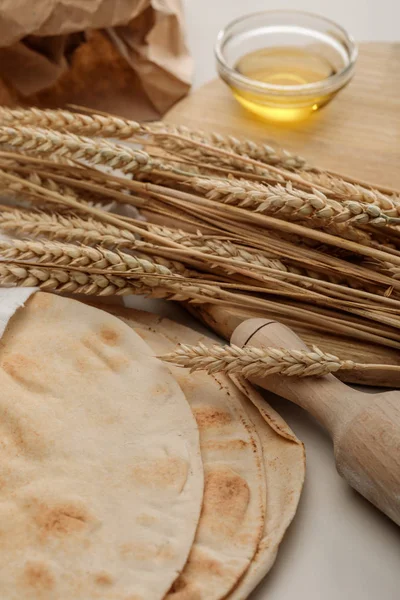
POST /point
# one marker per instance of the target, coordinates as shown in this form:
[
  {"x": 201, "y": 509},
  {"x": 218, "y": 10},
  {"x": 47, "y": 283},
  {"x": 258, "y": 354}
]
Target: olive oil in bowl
[{"x": 285, "y": 65}]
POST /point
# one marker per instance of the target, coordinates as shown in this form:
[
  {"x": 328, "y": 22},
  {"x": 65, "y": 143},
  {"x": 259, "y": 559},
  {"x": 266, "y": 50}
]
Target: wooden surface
[
  {"x": 365, "y": 427},
  {"x": 357, "y": 134}
]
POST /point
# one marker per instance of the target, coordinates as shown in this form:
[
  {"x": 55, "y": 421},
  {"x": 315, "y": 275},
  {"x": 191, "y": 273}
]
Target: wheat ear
[
  {"x": 252, "y": 257},
  {"x": 63, "y": 120},
  {"x": 61, "y": 280},
  {"x": 82, "y": 190},
  {"x": 80, "y": 256},
  {"x": 287, "y": 202},
  {"x": 171, "y": 136},
  {"x": 67, "y": 280},
  {"x": 256, "y": 362},
  {"x": 19, "y": 188},
  {"x": 354, "y": 192},
  {"x": 216, "y": 247},
  {"x": 65, "y": 228},
  {"x": 50, "y": 142},
  {"x": 248, "y": 148},
  {"x": 91, "y": 232}
]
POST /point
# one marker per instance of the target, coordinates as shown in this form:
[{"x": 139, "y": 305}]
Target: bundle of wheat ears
[{"x": 221, "y": 221}]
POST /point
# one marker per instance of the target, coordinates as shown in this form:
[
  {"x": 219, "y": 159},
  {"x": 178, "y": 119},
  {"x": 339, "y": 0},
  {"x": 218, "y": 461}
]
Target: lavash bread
[
  {"x": 232, "y": 517},
  {"x": 283, "y": 454},
  {"x": 284, "y": 460},
  {"x": 101, "y": 480}
]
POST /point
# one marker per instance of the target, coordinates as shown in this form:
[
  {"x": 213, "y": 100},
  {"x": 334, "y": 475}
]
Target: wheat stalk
[
  {"x": 257, "y": 362},
  {"x": 258, "y": 221},
  {"x": 64, "y": 281},
  {"x": 251, "y": 270},
  {"x": 90, "y": 232},
  {"x": 295, "y": 209},
  {"x": 19, "y": 187},
  {"x": 253, "y": 258},
  {"x": 56, "y": 255},
  {"x": 171, "y": 136},
  {"x": 174, "y": 137},
  {"x": 174, "y": 266},
  {"x": 71, "y": 258}
]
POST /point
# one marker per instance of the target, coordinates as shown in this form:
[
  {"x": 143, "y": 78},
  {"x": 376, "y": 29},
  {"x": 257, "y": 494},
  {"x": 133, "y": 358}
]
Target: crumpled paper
[{"x": 121, "y": 56}]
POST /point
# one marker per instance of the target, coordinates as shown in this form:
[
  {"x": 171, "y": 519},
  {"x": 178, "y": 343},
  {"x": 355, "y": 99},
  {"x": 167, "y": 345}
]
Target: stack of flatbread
[{"x": 124, "y": 479}]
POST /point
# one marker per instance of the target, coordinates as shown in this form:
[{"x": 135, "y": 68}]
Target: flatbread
[
  {"x": 283, "y": 453},
  {"x": 232, "y": 517},
  {"x": 101, "y": 479},
  {"x": 284, "y": 457}
]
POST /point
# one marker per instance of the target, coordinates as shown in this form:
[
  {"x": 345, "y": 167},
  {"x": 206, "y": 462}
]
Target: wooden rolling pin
[{"x": 365, "y": 428}]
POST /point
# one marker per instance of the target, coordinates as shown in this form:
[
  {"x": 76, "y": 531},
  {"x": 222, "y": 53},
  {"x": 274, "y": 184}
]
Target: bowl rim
[{"x": 331, "y": 83}]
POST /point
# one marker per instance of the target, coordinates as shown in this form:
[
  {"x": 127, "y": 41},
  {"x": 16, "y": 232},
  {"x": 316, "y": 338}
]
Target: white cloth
[{"x": 10, "y": 300}]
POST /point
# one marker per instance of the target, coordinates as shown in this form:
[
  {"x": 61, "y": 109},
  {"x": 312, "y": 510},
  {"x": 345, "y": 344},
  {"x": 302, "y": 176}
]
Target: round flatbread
[
  {"x": 101, "y": 479},
  {"x": 283, "y": 459},
  {"x": 232, "y": 517}
]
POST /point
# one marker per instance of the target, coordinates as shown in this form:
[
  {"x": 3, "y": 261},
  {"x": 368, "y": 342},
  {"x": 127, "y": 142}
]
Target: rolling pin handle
[
  {"x": 326, "y": 398},
  {"x": 365, "y": 427}
]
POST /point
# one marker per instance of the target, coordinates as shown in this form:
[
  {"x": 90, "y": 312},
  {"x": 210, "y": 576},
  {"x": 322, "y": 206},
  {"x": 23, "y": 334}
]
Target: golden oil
[{"x": 285, "y": 67}]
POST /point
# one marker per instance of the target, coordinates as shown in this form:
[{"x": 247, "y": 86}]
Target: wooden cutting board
[{"x": 357, "y": 134}]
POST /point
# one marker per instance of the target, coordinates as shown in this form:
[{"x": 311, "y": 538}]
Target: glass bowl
[{"x": 284, "y": 65}]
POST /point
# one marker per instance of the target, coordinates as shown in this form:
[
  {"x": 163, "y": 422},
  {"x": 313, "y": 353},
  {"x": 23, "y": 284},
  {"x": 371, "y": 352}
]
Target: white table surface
[{"x": 339, "y": 547}]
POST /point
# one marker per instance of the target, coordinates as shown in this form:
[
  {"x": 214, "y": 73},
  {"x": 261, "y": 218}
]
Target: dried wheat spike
[
  {"x": 62, "y": 280},
  {"x": 64, "y": 120},
  {"x": 49, "y": 142},
  {"x": 117, "y": 127},
  {"x": 66, "y": 228},
  {"x": 79, "y": 256},
  {"x": 21, "y": 191},
  {"x": 253, "y": 258},
  {"x": 174, "y": 266},
  {"x": 193, "y": 150},
  {"x": 87, "y": 196},
  {"x": 64, "y": 254},
  {"x": 390, "y": 204},
  {"x": 288, "y": 202},
  {"x": 91, "y": 232},
  {"x": 45, "y": 182},
  {"x": 218, "y": 247},
  {"x": 247, "y": 148},
  {"x": 256, "y": 362}
]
